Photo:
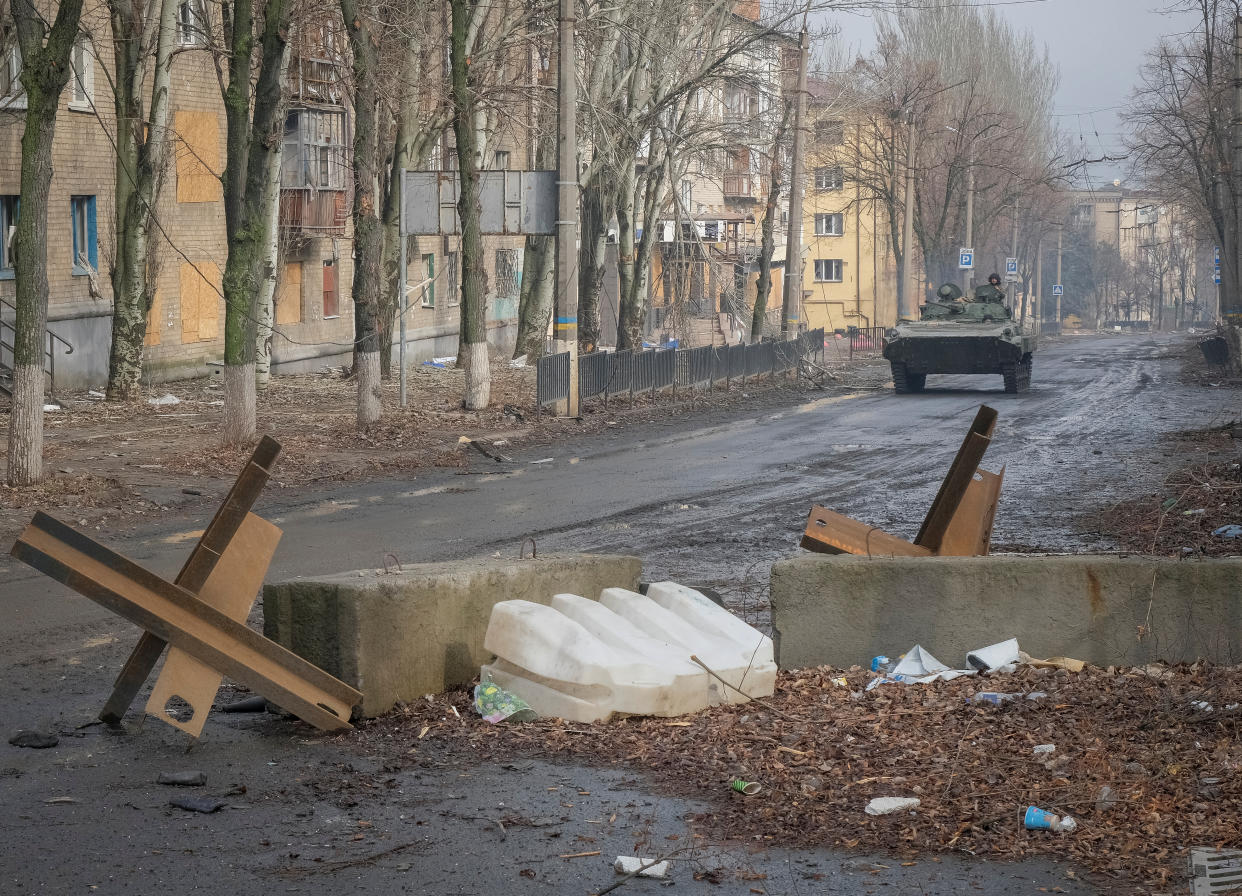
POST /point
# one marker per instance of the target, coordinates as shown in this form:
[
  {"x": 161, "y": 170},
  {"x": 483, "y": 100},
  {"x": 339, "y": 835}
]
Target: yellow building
[{"x": 849, "y": 272}]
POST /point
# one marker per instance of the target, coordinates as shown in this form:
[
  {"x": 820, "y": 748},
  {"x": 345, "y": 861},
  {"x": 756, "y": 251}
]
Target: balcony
[
  {"x": 311, "y": 211},
  {"x": 739, "y": 186}
]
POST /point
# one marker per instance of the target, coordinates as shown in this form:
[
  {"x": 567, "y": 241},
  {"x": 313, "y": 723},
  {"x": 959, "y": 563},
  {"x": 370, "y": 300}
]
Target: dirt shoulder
[
  {"x": 111, "y": 464},
  {"x": 1190, "y": 514}
]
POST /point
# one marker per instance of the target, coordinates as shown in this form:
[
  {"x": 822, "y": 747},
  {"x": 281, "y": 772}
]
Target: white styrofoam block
[
  {"x": 699, "y": 610},
  {"x": 583, "y": 660}
]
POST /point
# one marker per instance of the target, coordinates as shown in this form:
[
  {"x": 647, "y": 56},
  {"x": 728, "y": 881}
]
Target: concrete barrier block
[
  {"x": 842, "y": 610},
  {"x": 397, "y": 636}
]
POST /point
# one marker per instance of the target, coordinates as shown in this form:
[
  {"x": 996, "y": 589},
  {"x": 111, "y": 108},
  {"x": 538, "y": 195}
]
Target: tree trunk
[
  {"x": 141, "y": 155},
  {"x": 45, "y": 71},
  {"x": 595, "y": 210},
  {"x": 368, "y": 236},
  {"x": 767, "y": 244},
  {"x": 250, "y": 142},
  {"x": 473, "y": 353},
  {"x": 265, "y": 307},
  {"x": 536, "y": 299}
]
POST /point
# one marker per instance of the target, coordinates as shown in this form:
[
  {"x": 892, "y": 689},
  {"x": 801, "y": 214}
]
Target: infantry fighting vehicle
[{"x": 956, "y": 334}]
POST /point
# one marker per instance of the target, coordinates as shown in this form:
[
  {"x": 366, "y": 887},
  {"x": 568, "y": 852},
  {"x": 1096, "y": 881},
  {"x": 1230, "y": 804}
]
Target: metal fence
[
  {"x": 866, "y": 342},
  {"x": 629, "y": 372}
]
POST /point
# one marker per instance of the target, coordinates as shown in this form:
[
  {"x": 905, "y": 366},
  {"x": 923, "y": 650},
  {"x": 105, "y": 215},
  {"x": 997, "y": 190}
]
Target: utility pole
[
  {"x": 970, "y": 211},
  {"x": 1231, "y": 300},
  {"x": 907, "y": 301},
  {"x": 1037, "y": 301},
  {"x": 566, "y": 313},
  {"x": 1060, "y": 233},
  {"x": 791, "y": 319},
  {"x": 1013, "y": 253}
]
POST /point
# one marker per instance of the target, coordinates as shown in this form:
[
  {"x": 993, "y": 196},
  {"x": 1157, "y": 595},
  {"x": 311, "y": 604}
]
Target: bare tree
[
  {"x": 254, "y": 131},
  {"x": 45, "y": 53},
  {"x": 1180, "y": 134},
  {"x": 144, "y": 34}
]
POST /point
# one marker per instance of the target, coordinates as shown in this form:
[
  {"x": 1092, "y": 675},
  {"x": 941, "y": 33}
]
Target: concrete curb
[{"x": 842, "y": 610}]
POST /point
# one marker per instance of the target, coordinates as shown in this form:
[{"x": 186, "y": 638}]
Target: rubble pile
[{"x": 1147, "y": 761}]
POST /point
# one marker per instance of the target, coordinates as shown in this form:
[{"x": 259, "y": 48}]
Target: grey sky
[{"x": 1098, "y": 45}]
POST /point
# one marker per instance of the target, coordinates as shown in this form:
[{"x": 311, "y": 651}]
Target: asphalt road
[{"x": 702, "y": 500}]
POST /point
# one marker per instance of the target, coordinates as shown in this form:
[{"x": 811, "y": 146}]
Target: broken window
[
  {"x": 828, "y": 270},
  {"x": 192, "y": 24},
  {"x": 829, "y": 224},
  {"x": 314, "y": 150},
  {"x": 829, "y": 178},
  {"x": 11, "y": 93},
  {"x": 85, "y": 243},
  {"x": 8, "y": 225},
  {"x": 82, "y": 84}
]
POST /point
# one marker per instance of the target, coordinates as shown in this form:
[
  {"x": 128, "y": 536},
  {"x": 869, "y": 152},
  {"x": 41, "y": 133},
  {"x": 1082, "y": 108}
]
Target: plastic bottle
[{"x": 881, "y": 664}]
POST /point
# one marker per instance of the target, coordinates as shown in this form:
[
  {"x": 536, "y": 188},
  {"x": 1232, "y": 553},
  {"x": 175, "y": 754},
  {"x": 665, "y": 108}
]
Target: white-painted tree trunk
[
  {"x": 474, "y": 360},
  {"x": 26, "y": 426},
  {"x": 240, "y": 412},
  {"x": 370, "y": 404}
]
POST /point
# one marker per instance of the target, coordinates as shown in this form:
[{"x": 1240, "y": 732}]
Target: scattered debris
[
  {"x": 256, "y": 703},
  {"x": 204, "y": 804},
  {"x": 497, "y": 705},
  {"x": 488, "y": 449},
  {"x": 34, "y": 740},
  {"x": 887, "y": 805},
  {"x": 164, "y": 400},
  {"x": 746, "y": 788},
  {"x": 1037, "y": 819},
  {"x": 641, "y": 867},
  {"x": 1230, "y": 531},
  {"x": 182, "y": 779},
  {"x": 1002, "y": 657}
]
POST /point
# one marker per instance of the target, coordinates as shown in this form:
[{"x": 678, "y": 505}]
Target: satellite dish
[{"x": 1116, "y": 182}]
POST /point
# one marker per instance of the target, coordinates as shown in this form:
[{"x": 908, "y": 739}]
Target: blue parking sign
[{"x": 966, "y": 260}]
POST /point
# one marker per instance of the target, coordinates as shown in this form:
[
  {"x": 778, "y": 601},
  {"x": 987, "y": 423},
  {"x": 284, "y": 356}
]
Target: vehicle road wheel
[
  {"x": 1010, "y": 373},
  {"x": 901, "y": 383},
  {"x": 1024, "y": 375}
]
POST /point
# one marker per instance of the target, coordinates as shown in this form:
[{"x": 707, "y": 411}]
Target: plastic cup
[
  {"x": 749, "y": 788},
  {"x": 1037, "y": 819}
]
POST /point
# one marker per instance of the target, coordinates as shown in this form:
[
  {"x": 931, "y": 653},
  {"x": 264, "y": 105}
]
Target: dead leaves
[{"x": 973, "y": 768}]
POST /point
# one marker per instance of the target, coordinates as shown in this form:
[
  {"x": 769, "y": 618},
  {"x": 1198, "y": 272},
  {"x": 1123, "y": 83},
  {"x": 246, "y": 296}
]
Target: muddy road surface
[{"x": 711, "y": 503}]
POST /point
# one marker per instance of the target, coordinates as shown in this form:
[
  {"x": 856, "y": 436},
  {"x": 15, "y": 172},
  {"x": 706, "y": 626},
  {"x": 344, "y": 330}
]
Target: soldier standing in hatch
[{"x": 991, "y": 292}]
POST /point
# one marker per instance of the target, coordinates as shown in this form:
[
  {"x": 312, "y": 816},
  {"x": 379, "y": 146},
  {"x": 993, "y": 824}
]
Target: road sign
[
  {"x": 1216, "y": 255},
  {"x": 1011, "y": 270},
  {"x": 1058, "y": 289},
  {"x": 966, "y": 260}
]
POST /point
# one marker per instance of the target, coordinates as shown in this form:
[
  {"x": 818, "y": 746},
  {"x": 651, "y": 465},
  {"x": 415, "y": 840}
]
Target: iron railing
[
  {"x": 866, "y": 342},
  {"x": 616, "y": 373},
  {"x": 8, "y": 336}
]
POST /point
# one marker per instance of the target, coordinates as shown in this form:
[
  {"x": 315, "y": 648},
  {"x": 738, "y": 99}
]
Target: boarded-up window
[
  {"x": 200, "y": 302},
  {"x": 289, "y": 299},
  {"x": 198, "y": 156},
  {"x": 329, "y": 289}
]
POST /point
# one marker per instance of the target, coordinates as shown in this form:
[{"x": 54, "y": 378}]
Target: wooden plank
[
  {"x": 197, "y": 569},
  {"x": 970, "y": 531},
  {"x": 828, "y": 532},
  {"x": 964, "y": 465},
  {"x": 178, "y": 617},
  {"x": 232, "y": 588}
]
